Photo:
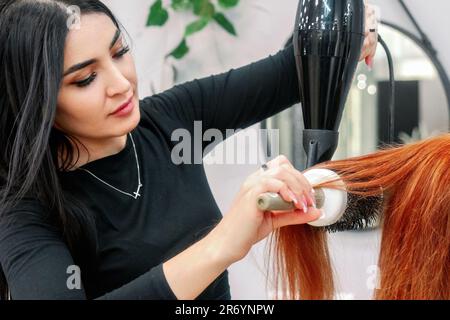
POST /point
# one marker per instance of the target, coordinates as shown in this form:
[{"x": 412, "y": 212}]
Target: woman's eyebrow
[{"x": 84, "y": 64}]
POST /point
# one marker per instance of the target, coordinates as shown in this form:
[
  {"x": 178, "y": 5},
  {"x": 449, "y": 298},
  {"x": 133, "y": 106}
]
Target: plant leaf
[
  {"x": 228, "y": 3},
  {"x": 196, "y": 26},
  {"x": 158, "y": 15},
  {"x": 180, "y": 51},
  {"x": 203, "y": 8},
  {"x": 225, "y": 23},
  {"x": 179, "y": 5}
]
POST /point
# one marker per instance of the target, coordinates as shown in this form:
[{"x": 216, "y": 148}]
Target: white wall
[{"x": 263, "y": 26}]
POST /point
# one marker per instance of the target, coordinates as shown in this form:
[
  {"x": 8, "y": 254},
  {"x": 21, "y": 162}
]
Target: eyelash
[
  {"x": 122, "y": 52},
  {"x": 88, "y": 81}
]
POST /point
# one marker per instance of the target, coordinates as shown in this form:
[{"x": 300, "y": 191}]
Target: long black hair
[{"x": 32, "y": 40}]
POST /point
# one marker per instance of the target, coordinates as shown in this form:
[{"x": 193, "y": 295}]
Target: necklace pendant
[{"x": 136, "y": 194}]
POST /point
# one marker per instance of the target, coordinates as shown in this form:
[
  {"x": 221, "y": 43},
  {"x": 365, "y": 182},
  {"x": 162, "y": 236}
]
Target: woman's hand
[
  {"x": 244, "y": 224},
  {"x": 371, "y": 38}
]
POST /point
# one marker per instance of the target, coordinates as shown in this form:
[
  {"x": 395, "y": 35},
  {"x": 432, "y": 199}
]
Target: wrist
[
  {"x": 215, "y": 248},
  {"x": 221, "y": 244},
  {"x": 191, "y": 271}
]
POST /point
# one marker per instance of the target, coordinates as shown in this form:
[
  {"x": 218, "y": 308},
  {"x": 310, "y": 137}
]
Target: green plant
[{"x": 205, "y": 12}]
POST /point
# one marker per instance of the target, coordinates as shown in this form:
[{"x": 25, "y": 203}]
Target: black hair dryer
[{"x": 328, "y": 38}]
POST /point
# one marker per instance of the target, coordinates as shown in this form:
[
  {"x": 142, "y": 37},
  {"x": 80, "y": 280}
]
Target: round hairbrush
[{"x": 341, "y": 210}]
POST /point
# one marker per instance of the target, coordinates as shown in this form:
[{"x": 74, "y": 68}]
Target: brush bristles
[{"x": 361, "y": 213}]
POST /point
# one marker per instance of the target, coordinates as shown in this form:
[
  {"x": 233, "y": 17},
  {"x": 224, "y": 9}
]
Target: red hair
[{"x": 414, "y": 259}]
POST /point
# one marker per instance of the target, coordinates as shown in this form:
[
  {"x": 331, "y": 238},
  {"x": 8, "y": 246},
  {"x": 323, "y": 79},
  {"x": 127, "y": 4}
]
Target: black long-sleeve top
[{"x": 176, "y": 207}]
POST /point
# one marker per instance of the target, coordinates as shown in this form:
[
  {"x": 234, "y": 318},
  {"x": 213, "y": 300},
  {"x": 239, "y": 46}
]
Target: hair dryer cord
[{"x": 392, "y": 89}]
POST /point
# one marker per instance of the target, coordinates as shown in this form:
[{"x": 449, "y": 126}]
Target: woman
[
  {"x": 88, "y": 183},
  {"x": 414, "y": 261}
]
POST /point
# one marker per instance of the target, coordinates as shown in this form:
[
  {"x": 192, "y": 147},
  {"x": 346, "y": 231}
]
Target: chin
[
  {"x": 129, "y": 122},
  {"x": 135, "y": 116}
]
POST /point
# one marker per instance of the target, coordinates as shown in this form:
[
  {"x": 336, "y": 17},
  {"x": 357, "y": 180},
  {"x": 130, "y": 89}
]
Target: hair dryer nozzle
[{"x": 319, "y": 145}]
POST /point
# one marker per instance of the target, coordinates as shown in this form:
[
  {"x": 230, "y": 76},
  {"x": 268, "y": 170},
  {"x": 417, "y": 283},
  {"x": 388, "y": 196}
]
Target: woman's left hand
[{"x": 371, "y": 38}]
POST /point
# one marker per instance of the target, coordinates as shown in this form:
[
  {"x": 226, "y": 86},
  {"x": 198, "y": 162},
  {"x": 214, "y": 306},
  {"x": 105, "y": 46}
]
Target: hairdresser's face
[{"x": 90, "y": 94}]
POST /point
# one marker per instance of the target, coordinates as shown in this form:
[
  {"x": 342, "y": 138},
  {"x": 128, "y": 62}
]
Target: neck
[{"x": 96, "y": 149}]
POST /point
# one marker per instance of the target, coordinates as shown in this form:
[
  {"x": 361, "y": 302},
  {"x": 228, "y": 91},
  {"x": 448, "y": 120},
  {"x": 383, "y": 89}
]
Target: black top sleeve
[
  {"x": 35, "y": 261},
  {"x": 236, "y": 99}
]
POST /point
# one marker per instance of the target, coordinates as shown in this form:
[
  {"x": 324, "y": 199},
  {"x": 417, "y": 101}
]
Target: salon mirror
[{"x": 421, "y": 102}]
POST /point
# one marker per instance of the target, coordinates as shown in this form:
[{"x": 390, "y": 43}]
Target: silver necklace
[{"x": 135, "y": 194}]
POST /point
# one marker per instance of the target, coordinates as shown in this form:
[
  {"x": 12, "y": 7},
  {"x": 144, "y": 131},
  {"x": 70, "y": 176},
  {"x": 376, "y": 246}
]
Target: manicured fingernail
[
  {"x": 369, "y": 62},
  {"x": 305, "y": 207},
  {"x": 293, "y": 197},
  {"x": 313, "y": 191}
]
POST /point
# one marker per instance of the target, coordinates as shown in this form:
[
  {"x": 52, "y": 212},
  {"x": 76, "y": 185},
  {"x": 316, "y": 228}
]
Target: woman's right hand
[{"x": 244, "y": 224}]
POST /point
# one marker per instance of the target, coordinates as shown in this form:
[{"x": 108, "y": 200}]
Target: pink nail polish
[{"x": 369, "y": 62}]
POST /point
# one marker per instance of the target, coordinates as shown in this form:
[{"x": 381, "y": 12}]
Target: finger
[
  {"x": 365, "y": 49},
  {"x": 283, "y": 161},
  {"x": 306, "y": 194},
  {"x": 372, "y": 49},
  {"x": 295, "y": 217},
  {"x": 278, "y": 161},
  {"x": 297, "y": 183},
  {"x": 370, "y": 38},
  {"x": 307, "y": 189},
  {"x": 369, "y": 46},
  {"x": 374, "y": 46},
  {"x": 369, "y": 62},
  {"x": 269, "y": 184},
  {"x": 371, "y": 24}
]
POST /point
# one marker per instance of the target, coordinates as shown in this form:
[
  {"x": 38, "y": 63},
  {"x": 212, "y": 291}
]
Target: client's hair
[{"x": 414, "y": 261}]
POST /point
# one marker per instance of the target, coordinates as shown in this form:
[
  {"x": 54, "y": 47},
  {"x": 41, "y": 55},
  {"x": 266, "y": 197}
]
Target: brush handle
[{"x": 271, "y": 201}]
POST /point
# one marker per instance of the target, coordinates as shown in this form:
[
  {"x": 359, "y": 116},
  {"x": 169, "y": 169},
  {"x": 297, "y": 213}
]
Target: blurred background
[{"x": 249, "y": 30}]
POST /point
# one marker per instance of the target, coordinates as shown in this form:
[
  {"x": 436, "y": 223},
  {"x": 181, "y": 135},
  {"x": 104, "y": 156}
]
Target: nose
[{"x": 118, "y": 83}]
